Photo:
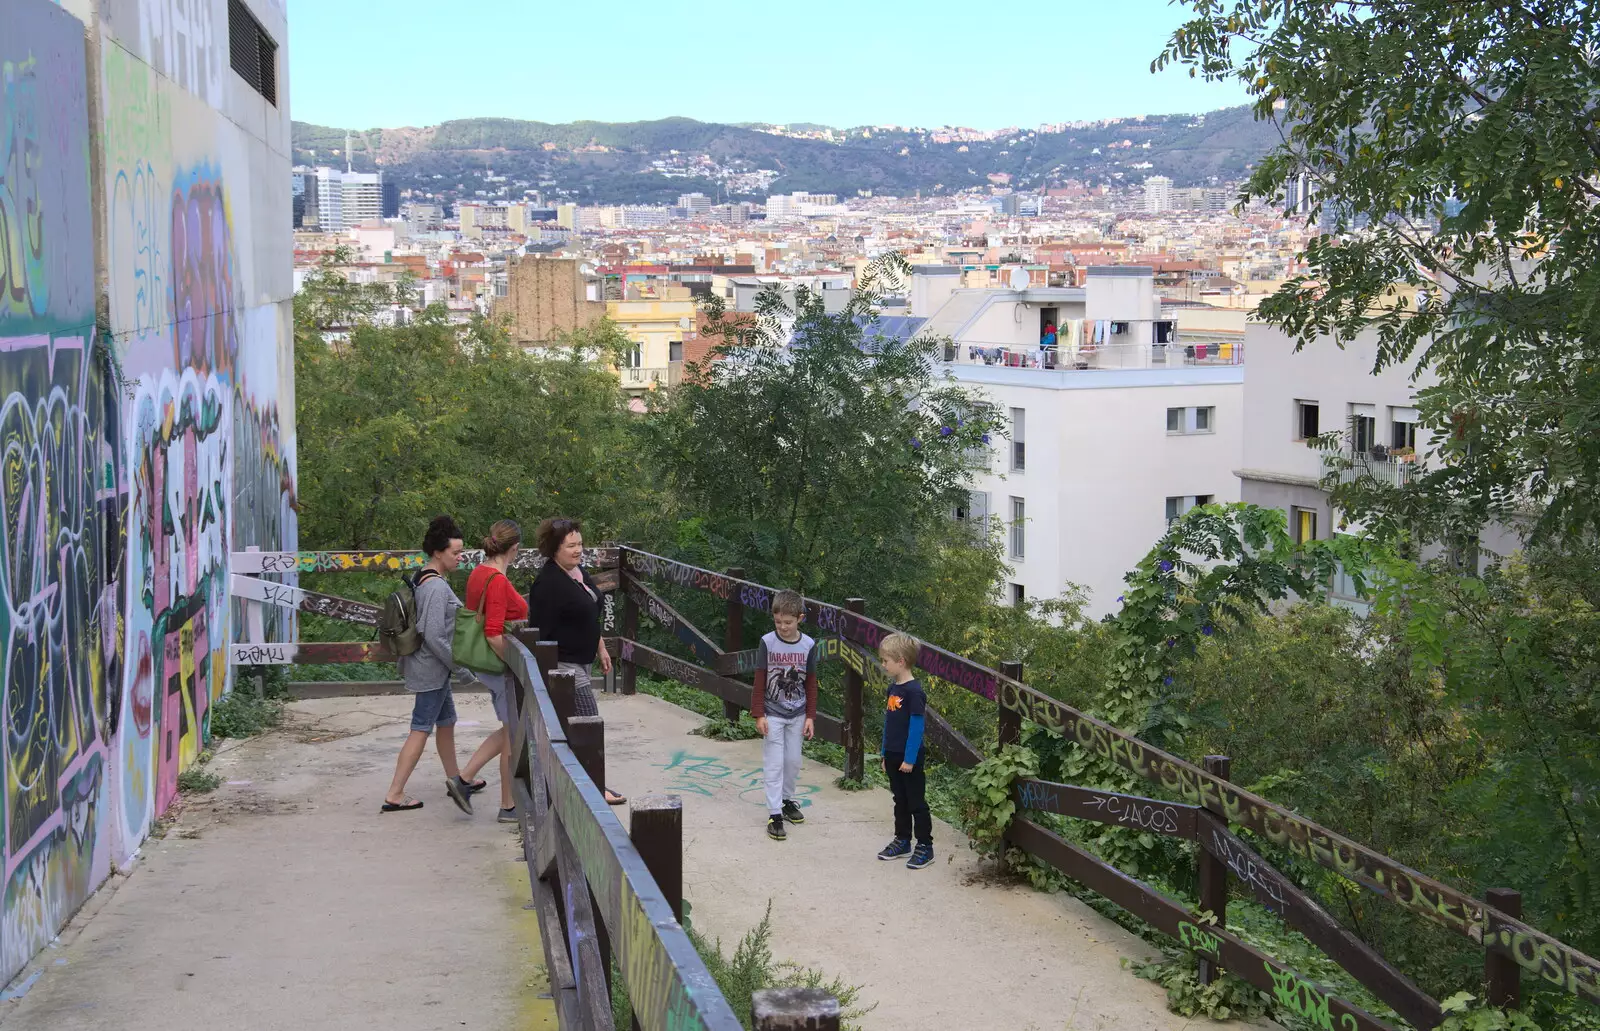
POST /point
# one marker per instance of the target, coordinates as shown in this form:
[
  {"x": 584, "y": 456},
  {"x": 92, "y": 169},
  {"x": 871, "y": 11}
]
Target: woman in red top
[{"x": 490, "y": 586}]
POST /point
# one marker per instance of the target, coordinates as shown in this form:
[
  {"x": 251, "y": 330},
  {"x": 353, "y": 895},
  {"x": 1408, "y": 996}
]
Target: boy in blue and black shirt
[{"x": 902, "y": 752}]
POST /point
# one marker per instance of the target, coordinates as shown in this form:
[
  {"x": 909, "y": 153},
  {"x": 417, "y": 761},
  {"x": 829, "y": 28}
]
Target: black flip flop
[
  {"x": 400, "y": 807},
  {"x": 475, "y": 786}
]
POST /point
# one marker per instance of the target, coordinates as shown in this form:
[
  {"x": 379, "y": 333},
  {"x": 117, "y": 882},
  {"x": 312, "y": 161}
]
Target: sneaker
[
  {"x": 896, "y": 848},
  {"x": 775, "y": 829},
  {"x": 458, "y": 794},
  {"x": 921, "y": 857},
  {"x": 508, "y": 815},
  {"x": 791, "y": 811}
]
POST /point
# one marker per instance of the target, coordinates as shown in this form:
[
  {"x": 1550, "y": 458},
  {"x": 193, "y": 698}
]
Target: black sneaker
[
  {"x": 775, "y": 829},
  {"x": 508, "y": 815},
  {"x": 791, "y": 811},
  {"x": 453, "y": 787},
  {"x": 921, "y": 857},
  {"x": 896, "y": 848}
]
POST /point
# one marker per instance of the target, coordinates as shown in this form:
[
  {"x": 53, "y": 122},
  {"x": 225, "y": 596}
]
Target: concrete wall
[
  {"x": 139, "y": 172},
  {"x": 1100, "y": 466}
]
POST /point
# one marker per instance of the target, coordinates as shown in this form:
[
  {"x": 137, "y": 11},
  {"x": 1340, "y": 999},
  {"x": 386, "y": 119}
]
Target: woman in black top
[{"x": 565, "y": 605}]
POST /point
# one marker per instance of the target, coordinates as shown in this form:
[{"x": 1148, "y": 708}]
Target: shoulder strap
[{"x": 424, "y": 575}]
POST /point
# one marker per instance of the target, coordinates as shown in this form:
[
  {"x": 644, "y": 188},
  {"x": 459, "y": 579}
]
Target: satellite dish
[{"x": 1017, "y": 278}]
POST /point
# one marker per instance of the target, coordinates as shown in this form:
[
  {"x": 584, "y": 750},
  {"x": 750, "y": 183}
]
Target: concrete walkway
[
  {"x": 941, "y": 947},
  {"x": 285, "y": 900}
]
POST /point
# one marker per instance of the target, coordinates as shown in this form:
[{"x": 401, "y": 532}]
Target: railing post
[
  {"x": 733, "y": 640},
  {"x": 563, "y": 688},
  {"x": 546, "y": 654},
  {"x": 630, "y": 622},
  {"x": 794, "y": 1009},
  {"x": 256, "y": 629},
  {"x": 1501, "y": 971},
  {"x": 657, "y": 830},
  {"x": 1008, "y": 727},
  {"x": 855, "y": 736},
  {"x": 586, "y": 736},
  {"x": 1213, "y": 874}
]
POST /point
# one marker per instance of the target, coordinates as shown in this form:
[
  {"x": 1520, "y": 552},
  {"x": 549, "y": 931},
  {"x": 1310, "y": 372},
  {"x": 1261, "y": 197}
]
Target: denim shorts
[{"x": 432, "y": 709}]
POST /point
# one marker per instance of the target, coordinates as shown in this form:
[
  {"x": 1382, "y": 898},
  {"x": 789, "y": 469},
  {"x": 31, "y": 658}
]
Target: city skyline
[{"x": 931, "y": 64}]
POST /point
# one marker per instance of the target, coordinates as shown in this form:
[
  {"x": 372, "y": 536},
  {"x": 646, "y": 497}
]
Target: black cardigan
[{"x": 565, "y": 613}]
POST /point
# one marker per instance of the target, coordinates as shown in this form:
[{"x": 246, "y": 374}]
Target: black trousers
[{"x": 910, "y": 799}]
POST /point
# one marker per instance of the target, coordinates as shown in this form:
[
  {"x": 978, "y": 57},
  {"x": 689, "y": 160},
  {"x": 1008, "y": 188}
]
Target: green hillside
[{"x": 653, "y": 161}]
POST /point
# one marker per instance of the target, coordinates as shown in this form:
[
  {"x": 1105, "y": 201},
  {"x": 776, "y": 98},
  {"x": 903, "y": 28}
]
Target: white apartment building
[
  {"x": 1157, "y": 194},
  {"x": 1119, "y": 429},
  {"x": 348, "y": 199}
]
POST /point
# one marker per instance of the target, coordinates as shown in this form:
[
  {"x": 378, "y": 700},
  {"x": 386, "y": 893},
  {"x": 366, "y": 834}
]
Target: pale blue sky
[{"x": 986, "y": 64}]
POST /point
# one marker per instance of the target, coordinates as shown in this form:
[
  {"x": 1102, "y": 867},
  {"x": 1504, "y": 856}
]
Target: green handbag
[{"x": 470, "y": 648}]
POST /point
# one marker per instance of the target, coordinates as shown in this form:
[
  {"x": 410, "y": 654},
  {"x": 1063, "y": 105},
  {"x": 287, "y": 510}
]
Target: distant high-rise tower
[
  {"x": 1157, "y": 194},
  {"x": 348, "y": 199}
]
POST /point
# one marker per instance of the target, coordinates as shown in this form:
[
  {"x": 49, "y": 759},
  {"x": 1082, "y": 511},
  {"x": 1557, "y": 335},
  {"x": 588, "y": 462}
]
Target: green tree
[
  {"x": 832, "y": 465},
  {"x": 404, "y": 422},
  {"x": 1456, "y": 145}
]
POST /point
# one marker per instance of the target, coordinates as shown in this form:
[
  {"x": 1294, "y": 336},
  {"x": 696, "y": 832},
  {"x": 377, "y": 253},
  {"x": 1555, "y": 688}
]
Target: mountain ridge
[{"x": 653, "y": 161}]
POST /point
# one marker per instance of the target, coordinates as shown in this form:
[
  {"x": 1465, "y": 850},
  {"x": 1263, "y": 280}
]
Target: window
[
  {"x": 1019, "y": 515},
  {"x": 1403, "y": 428},
  {"x": 636, "y": 358},
  {"x": 1306, "y": 424},
  {"x": 1363, "y": 429},
  {"x": 1019, "y": 447},
  {"x": 1190, "y": 420},
  {"x": 253, "y": 53},
  {"x": 1019, "y": 594},
  {"x": 1176, "y": 507},
  {"x": 675, "y": 351},
  {"x": 974, "y": 510},
  {"x": 1303, "y": 524}
]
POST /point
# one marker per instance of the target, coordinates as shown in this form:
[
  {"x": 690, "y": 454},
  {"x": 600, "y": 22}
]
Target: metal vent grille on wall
[{"x": 254, "y": 54}]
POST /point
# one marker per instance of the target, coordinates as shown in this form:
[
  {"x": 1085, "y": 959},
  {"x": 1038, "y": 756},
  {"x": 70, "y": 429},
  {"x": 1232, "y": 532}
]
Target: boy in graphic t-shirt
[
  {"x": 784, "y": 704},
  {"x": 902, "y": 752}
]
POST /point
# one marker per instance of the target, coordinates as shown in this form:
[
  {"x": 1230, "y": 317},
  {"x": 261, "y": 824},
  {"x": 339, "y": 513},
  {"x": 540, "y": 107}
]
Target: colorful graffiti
[
  {"x": 60, "y": 494},
  {"x": 178, "y": 565}
]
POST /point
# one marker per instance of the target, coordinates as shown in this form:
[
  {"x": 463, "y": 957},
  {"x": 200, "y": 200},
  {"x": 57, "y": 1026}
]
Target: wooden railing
[
  {"x": 572, "y": 838},
  {"x": 1211, "y": 809}
]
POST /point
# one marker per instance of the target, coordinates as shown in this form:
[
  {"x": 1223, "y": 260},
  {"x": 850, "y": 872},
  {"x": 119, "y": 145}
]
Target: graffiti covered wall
[{"x": 134, "y": 457}]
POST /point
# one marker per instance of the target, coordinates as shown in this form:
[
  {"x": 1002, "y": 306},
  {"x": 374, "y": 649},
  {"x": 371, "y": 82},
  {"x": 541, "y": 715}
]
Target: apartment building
[
  {"x": 1116, "y": 431},
  {"x": 657, "y": 326}
]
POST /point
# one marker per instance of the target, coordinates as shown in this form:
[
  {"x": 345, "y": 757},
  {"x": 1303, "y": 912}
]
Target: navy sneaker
[
  {"x": 896, "y": 848},
  {"x": 791, "y": 811},
  {"x": 456, "y": 789},
  {"x": 775, "y": 829},
  {"x": 508, "y": 815},
  {"x": 921, "y": 857}
]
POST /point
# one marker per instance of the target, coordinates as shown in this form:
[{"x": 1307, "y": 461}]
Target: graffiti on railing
[
  {"x": 1193, "y": 937},
  {"x": 1147, "y": 816},
  {"x": 285, "y": 596},
  {"x": 1306, "y": 1000},
  {"x": 386, "y": 561}
]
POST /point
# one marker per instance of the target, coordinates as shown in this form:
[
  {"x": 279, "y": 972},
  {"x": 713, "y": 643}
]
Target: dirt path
[
  {"x": 286, "y": 901},
  {"x": 939, "y": 947}
]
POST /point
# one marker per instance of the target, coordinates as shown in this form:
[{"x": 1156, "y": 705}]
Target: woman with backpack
[
  {"x": 565, "y": 607},
  {"x": 428, "y": 669},
  {"x": 489, "y": 592}
]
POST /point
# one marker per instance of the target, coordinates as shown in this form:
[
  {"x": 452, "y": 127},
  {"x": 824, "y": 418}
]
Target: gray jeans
[{"x": 583, "y": 693}]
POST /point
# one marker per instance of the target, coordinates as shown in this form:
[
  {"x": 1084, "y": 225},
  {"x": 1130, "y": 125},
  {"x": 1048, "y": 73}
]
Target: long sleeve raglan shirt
[
  {"x": 429, "y": 667},
  {"x": 903, "y": 721},
  {"x": 786, "y": 678}
]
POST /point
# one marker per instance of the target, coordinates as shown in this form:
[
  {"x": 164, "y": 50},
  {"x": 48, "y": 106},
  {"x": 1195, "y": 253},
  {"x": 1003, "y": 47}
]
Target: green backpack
[{"x": 397, "y": 622}]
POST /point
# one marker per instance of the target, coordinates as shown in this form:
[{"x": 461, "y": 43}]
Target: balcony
[
  {"x": 1378, "y": 465},
  {"x": 652, "y": 377},
  {"x": 1114, "y": 356}
]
